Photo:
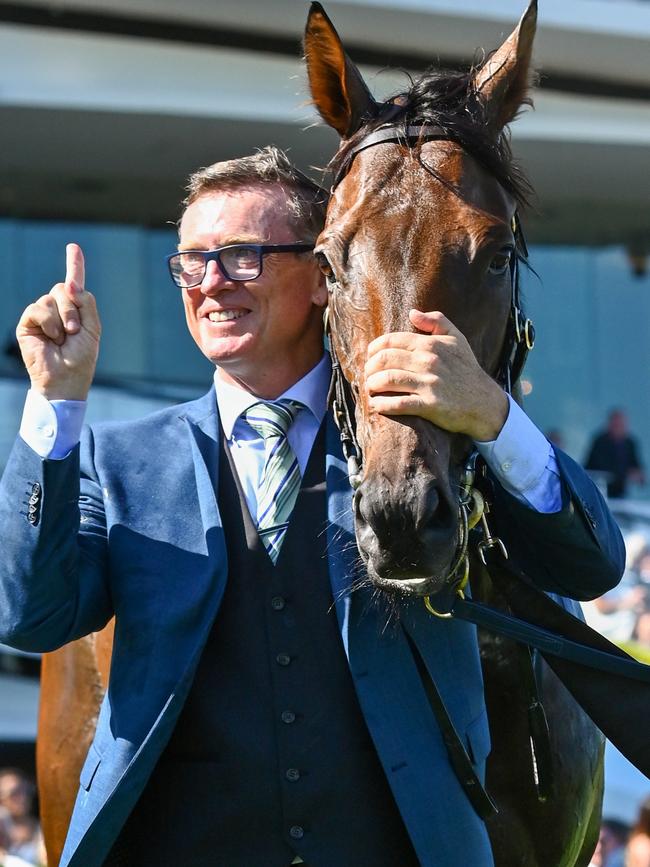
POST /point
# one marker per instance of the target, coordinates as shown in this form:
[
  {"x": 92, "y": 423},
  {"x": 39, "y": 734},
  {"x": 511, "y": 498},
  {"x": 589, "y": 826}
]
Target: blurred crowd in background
[
  {"x": 622, "y": 846},
  {"x": 613, "y": 460},
  {"x": 21, "y": 843},
  {"x": 623, "y": 614}
]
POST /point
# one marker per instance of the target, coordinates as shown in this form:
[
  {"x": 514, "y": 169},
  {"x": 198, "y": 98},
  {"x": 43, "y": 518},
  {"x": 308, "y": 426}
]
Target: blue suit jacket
[{"x": 141, "y": 537}]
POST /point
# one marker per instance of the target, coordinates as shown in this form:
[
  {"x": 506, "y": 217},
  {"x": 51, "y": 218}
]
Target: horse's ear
[
  {"x": 504, "y": 79},
  {"x": 339, "y": 92}
]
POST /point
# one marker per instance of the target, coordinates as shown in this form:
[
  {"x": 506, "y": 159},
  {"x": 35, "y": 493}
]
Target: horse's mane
[{"x": 448, "y": 99}]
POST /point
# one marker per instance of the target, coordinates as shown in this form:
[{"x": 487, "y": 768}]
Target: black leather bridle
[{"x": 520, "y": 335}]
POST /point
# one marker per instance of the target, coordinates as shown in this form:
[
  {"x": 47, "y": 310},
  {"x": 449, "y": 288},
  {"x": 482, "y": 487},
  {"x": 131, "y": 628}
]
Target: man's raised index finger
[{"x": 75, "y": 270}]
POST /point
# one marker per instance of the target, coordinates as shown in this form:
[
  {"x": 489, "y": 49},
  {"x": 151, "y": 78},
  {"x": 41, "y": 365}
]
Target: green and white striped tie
[{"x": 280, "y": 481}]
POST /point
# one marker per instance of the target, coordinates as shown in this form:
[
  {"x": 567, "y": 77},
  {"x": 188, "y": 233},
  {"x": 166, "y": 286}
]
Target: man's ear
[
  {"x": 320, "y": 295},
  {"x": 504, "y": 79},
  {"x": 339, "y": 92}
]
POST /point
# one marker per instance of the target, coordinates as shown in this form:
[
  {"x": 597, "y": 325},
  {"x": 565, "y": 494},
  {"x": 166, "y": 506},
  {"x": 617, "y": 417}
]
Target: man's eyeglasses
[{"x": 236, "y": 262}]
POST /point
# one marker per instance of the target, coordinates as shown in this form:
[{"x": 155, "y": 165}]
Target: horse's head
[{"x": 421, "y": 216}]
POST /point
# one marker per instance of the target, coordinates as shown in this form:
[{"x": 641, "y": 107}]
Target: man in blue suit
[{"x": 259, "y": 712}]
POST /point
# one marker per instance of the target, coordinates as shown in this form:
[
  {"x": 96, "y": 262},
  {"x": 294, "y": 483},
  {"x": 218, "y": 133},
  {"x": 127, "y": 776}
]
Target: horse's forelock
[{"x": 449, "y": 100}]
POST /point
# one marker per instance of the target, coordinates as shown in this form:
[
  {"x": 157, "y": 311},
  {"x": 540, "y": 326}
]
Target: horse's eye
[
  {"x": 325, "y": 267},
  {"x": 501, "y": 262}
]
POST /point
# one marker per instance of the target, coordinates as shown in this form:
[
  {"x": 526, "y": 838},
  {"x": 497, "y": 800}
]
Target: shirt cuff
[
  {"x": 524, "y": 463},
  {"x": 52, "y": 428}
]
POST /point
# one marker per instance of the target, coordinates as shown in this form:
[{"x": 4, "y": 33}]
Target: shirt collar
[{"x": 311, "y": 390}]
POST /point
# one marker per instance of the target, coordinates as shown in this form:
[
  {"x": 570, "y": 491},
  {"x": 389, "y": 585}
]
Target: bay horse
[
  {"x": 423, "y": 214},
  {"x": 74, "y": 679},
  {"x": 436, "y": 197}
]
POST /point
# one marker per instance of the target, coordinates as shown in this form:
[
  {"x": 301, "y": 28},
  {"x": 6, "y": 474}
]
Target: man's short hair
[{"x": 306, "y": 201}]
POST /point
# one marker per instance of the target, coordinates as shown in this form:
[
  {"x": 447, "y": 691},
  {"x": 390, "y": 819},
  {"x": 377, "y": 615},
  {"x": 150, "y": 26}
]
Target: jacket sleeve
[
  {"x": 576, "y": 552},
  {"x": 53, "y": 563}
]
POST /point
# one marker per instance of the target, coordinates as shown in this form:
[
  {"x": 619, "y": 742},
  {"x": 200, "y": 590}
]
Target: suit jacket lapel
[
  {"x": 202, "y": 419},
  {"x": 343, "y": 556}
]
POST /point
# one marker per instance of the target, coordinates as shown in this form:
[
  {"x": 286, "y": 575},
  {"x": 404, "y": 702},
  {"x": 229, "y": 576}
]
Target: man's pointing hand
[{"x": 59, "y": 335}]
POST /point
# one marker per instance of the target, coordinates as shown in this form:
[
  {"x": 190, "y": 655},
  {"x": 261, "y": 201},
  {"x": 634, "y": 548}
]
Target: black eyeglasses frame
[{"x": 215, "y": 256}]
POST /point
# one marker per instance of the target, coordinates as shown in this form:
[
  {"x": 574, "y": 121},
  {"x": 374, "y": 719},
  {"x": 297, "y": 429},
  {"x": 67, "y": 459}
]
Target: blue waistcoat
[{"x": 273, "y": 720}]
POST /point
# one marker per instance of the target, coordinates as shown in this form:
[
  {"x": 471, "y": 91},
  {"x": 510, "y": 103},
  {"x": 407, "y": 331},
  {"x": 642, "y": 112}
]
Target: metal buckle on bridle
[
  {"x": 480, "y": 511},
  {"x": 473, "y": 510},
  {"x": 460, "y": 592},
  {"x": 520, "y": 338},
  {"x": 529, "y": 334},
  {"x": 489, "y": 541}
]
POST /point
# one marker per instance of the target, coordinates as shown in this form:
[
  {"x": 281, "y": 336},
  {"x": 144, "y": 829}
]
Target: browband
[{"x": 396, "y": 134}]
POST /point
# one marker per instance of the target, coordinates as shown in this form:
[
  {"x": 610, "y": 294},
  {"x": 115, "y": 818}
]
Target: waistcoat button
[
  {"x": 283, "y": 659},
  {"x": 296, "y": 832},
  {"x": 288, "y": 717},
  {"x": 277, "y": 603},
  {"x": 293, "y": 775}
]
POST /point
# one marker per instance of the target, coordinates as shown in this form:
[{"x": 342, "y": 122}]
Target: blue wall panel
[
  {"x": 173, "y": 355},
  {"x": 593, "y": 348},
  {"x": 115, "y": 276},
  {"x": 14, "y": 294}
]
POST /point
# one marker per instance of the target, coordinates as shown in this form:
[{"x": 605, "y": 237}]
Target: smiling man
[
  {"x": 240, "y": 728},
  {"x": 265, "y": 329}
]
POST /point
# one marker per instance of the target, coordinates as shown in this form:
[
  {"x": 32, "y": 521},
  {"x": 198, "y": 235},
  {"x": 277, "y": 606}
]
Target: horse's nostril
[
  {"x": 371, "y": 510},
  {"x": 426, "y": 508},
  {"x": 376, "y": 511},
  {"x": 402, "y": 518},
  {"x": 441, "y": 515}
]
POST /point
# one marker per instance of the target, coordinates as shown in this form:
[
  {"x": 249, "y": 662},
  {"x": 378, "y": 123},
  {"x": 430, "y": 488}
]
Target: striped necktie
[{"x": 280, "y": 480}]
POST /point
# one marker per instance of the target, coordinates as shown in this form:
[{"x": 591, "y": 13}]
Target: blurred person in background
[
  {"x": 638, "y": 850},
  {"x": 555, "y": 436},
  {"x": 610, "y": 849},
  {"x": 7, "y": 860},
  {"x": 644, "y": 569},
  {"x": 641, "y": 632},
  {"x": 615, "y": 452},
  {"x": 615, "y": 613},
  {"x": 21, "y": 827}
]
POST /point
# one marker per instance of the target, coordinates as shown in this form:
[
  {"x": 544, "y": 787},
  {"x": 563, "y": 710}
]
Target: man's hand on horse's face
[{"x": 434, "y": 375}]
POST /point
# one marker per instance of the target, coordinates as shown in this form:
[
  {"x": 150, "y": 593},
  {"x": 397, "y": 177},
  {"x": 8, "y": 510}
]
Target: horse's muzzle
[{"x": 407, "y": 538}]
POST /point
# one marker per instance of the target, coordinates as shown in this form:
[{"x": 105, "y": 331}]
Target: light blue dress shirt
[
  {"x": 247, "y": 446},
  {"x": 521, "y": 458}
]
